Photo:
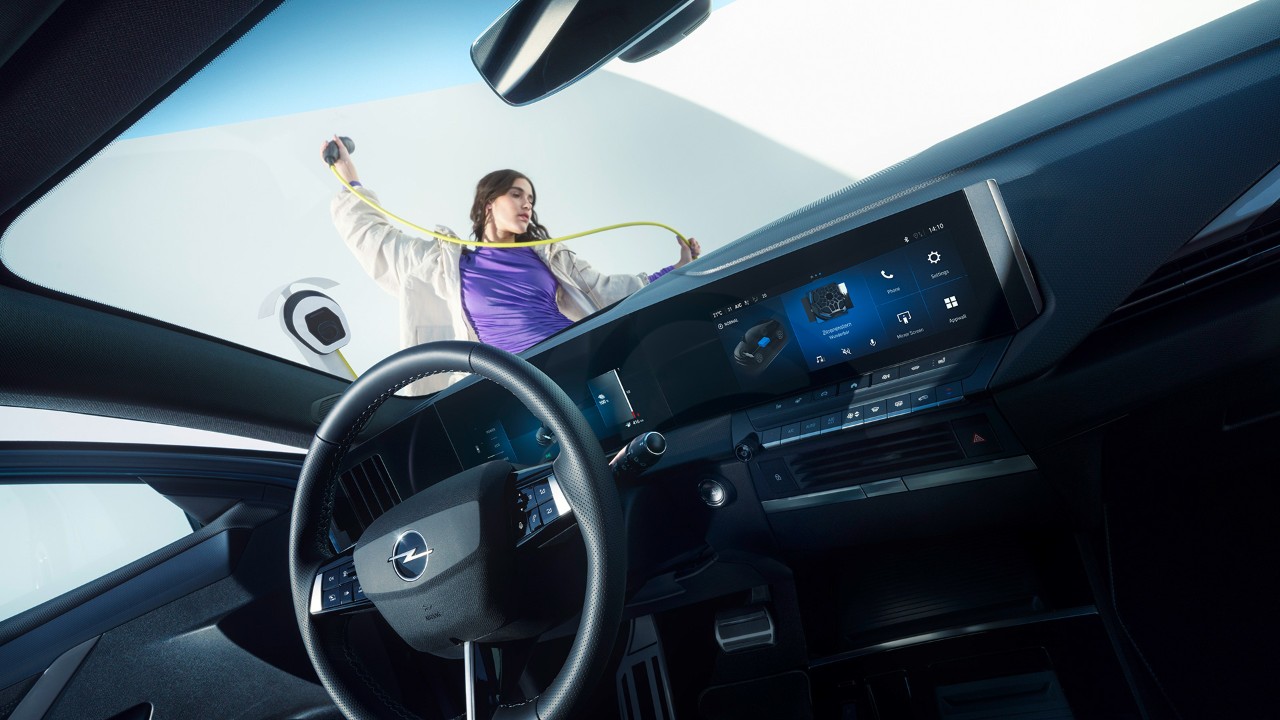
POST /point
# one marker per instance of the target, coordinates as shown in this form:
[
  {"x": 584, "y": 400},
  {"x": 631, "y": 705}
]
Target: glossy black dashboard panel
[{"x": 943, "y": 274}]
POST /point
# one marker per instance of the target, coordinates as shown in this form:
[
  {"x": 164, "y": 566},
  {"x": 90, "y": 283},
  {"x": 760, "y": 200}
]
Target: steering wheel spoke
[{"x": 493, "y": 673}]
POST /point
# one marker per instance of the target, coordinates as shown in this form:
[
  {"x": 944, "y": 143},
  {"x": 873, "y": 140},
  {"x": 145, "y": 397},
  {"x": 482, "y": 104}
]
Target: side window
[{"x": 57, "y": 537}]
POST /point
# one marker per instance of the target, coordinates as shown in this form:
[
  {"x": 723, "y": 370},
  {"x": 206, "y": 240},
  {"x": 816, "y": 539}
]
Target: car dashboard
[
  {"x": 891, "y": 408},
  {"x": 871, "y": 338}
]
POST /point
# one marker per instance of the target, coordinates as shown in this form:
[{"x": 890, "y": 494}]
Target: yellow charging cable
[
  {"x": 350, "y": 369},
  {"x": 485, "y": 243}
]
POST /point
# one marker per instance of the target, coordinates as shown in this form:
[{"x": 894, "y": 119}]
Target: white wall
[{"x": 197, "y": 228}]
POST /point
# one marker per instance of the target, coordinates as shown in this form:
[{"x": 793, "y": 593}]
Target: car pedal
[
  {"x": 644, "y": 689},
  {"x": 745, "y": 629}
]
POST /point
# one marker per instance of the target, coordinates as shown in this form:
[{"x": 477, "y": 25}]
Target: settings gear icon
[{"x": 935, "y": 257}]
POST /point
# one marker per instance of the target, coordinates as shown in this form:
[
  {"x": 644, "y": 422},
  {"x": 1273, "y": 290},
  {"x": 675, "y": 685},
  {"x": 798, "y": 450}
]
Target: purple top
[{"x": 509, "y": 296}]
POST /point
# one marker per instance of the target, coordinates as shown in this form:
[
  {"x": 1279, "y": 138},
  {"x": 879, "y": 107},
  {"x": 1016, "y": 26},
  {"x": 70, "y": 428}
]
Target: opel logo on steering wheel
[{"x": 409, "y": 555}]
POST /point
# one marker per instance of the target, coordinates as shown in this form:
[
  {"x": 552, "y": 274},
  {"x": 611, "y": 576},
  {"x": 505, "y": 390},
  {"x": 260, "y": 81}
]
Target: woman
[{"x": 512, "y": 298}]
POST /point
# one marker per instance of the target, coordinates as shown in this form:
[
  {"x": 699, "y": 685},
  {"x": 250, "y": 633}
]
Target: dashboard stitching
[{"x": 819, "y": 228}]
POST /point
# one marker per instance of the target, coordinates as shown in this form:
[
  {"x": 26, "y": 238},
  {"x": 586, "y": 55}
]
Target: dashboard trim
[
  {"x": 918, "y": 481},
  {"x": 955, "y": 632},
  {"x": 1007, "y": 257}
]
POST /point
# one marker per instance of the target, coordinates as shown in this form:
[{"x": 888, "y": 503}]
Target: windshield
[{"x": 215, "y": 210}]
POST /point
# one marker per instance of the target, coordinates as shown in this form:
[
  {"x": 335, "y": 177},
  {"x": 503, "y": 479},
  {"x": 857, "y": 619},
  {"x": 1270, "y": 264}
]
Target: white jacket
[{"x": 424, "y": 277}]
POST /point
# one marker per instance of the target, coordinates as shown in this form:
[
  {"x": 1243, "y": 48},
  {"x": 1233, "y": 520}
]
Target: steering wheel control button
[
  {"x": 347, "y": 593},
  {"x": 533, "y": 521},
  {"x": 528, "y": 500},
  {"x": 359, "y": 591},
  {"x": 542, "y": 493},
  {"x": 549, "y": 512},
  {"x": 348, "y": 573},
  {"x": 332, "y": 579},
  {"x": 409, "y": 555},
  {"x": 331, "y": 598}
]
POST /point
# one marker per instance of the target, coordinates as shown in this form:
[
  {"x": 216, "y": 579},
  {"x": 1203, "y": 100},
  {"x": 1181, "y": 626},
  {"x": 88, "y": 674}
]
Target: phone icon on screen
[{"x": 886, "y": 275}]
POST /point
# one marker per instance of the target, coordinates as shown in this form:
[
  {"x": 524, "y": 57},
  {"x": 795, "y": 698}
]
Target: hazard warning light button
[{"x": 977, "y": 437}]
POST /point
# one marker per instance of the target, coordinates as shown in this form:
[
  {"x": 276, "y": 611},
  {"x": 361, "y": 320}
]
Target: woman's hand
[
  {"x": 689, "y": 251},
  {"x": 345, "y": 167}
]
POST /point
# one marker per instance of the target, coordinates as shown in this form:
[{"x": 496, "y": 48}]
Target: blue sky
[{"x": 315, "y": 54}]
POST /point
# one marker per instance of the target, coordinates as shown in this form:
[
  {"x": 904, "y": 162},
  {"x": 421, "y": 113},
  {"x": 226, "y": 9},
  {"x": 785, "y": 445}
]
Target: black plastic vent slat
[
  {"x": 355, "y": 499},
  {"x": 883, "y": 455},
  {"x": 369, "y": 489},
  {"x": 1217, "y": 263}
]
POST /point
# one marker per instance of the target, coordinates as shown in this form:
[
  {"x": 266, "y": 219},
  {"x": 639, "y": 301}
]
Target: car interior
[{"x": 985, "y": 434}]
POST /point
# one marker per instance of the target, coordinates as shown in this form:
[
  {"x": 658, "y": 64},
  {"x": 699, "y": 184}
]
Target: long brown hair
[{"x": 489, "y": 188}]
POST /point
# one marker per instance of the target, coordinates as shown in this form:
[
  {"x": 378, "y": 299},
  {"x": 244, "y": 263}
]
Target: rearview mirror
[{"x": 539, "y": 47}]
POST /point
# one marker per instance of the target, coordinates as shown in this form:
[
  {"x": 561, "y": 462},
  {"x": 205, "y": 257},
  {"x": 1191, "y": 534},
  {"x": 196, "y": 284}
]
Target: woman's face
[{"x": 512, "y": 210}]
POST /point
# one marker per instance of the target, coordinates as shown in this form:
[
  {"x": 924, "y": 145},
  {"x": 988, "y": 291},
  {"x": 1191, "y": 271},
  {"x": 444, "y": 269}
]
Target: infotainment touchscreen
[
  {"x": 939, "y": 275},
  {"x": 906, "y": 295}
]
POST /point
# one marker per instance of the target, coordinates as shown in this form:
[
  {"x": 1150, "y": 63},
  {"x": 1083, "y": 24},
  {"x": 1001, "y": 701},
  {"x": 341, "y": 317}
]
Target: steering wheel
[{"x": 439, "y": 566}]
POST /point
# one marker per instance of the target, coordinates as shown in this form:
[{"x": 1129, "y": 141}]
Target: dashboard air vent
[
  {"x": 902, "y": 451},
  {"x": 369, "y": 490},
  {"x": 321, "y": 407},
  {"x": 1222, "y": 261}
]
